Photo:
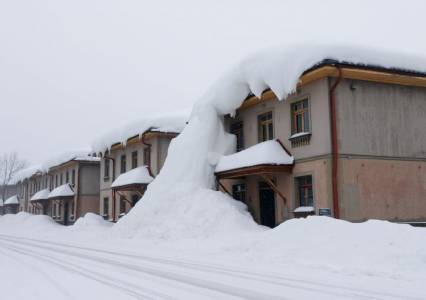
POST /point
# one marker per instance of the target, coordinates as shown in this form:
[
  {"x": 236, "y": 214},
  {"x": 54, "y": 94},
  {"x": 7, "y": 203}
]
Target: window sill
[
  {"x": 300, "y": 139},
  {"x": 106, "y": 178}
]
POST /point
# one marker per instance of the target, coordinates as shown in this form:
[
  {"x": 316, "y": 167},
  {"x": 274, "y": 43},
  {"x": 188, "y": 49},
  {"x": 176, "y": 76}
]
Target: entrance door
[
  {"x": 267, "y": 205},
  {"x": 66, "y": 213}
]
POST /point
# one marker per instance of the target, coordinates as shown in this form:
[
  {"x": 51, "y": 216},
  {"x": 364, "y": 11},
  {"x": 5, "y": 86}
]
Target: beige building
[
  {"x": 127, "y": 169},
  {"x": 74, "y": 190},
  {"x": 357, "y": 136}
]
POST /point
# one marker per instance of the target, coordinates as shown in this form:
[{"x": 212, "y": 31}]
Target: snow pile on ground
[
  {"x": 27, "y": 223},
  {"x": 138, "y": 175},
  {"x": 269, "y": 152},
  {"x": 176, "y": 215},
  {"x": 91, "y": 220},
  {"x": 170, "y": 122},
  {"x": 373, "y": 247}
]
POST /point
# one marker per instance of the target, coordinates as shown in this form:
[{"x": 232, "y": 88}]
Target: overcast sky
[{"x": 70, "y": 70}]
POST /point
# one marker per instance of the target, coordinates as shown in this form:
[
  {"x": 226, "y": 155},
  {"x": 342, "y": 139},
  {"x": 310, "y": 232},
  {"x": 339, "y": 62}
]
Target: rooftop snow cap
[
  {"x": 26, "y": 173},
  {"x": 41, "y": 195},
  {"x": 138, "y": 175},
  {"x": 12, "y": 200},
  {"x": 84, "y": 154},
  {"x": 1, "y": 202},
  {"x": 171, "y": 122},
  {"x": 62, "y": 191},
  {"x": 280, "y": 68}
]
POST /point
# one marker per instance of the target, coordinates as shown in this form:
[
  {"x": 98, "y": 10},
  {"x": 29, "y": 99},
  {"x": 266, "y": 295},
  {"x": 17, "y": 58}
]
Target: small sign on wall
[{"x": 324, "y": 212}]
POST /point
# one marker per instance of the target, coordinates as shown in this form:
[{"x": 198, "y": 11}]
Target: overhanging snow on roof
[
  {"x": 41, "y": 195},
  {"x": 12, "y": 200},
  {"x": 62, "y": 191},
  {"x": 269, "y": 153},
  {"x": 1, "y": 202},
  {"x": 137, "y": 176}
]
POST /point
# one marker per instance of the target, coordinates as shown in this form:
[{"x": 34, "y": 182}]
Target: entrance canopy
[
  {"x": 61, "y": 192},
  {"x": 133, "y": 180},
  {"x": 40, "y": 195},
  {"x": 12, "y": 200},
  {"x": 264, "y": 158}
]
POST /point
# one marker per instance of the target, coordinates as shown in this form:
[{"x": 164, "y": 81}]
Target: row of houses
[{"x": 349, "y": 143}]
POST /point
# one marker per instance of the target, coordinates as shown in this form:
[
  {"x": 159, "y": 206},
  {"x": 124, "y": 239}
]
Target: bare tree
[{"x": 10, "y": 164}]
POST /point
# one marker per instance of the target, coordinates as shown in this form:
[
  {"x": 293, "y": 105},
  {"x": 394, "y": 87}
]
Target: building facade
[
  {"x": 357, "y": 136},
  {"x": 127, "y": 169}
]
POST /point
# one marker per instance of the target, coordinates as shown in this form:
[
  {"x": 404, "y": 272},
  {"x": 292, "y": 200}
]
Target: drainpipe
[
  {"x": 149, "y": 147},
  {"x": 334, "y": 145},
  {"x": 113, "y": 178}
]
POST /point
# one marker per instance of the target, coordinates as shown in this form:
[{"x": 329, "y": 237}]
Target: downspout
[
  {"x": 334, "y": 144},
  {"x": 150, "y": 154},
  {"x": 113, "y": 178}
]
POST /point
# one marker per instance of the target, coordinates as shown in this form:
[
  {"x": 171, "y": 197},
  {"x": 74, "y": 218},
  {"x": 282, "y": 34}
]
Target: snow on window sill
[
  {"x": 300, "y": 139},
  {"x": 304, "y": 209},
  {"x": 299, "y": 134}
]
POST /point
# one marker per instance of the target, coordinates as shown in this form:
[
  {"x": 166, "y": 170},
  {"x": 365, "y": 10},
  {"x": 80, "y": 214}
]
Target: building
[
  {"x": 349, "y": 143},
  {"x": 74, "y": 189},
  {"x": 11, "y": 205},
  {"x": 131, "y": 158}
]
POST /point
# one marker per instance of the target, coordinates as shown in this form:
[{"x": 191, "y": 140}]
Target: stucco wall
[
  {"x": 89, "y": 179},
  {"x": 383, "y": 189},
  {"x": 381, "y": 119}
]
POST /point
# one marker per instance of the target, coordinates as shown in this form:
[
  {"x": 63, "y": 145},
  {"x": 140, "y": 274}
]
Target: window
[
  {"x": 134, "y": 159},
  {"x": 122, "y": 205},
  {"x": 147, "y": 156},
  {"x": 106, "y": 168},
  {"x": 300, "y": 117},
  {"x": 73, "y": 177},
  {"x": 265, "y": 127},
  {"x": 237, "y": 129},
  {"x": 72, "y": 209},
  {"x": 239, "y": 192},
  {"x": 106, "y": 207},
  {"x": 123, "y": 164},
  {"x": 56, "y": 180},
  {"x": 61, "y": 178},
  {"x": 304, "y": 191},
  {"x": 135, "y": 199},
  {"x": 67, "y": 176}
]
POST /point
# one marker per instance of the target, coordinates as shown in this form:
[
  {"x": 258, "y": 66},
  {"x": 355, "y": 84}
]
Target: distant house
[
  {"x": 11, "y": 205},
  {"x": 350, "y": 143},
  {"x": 74, "y": 189},
  {"x": 131, "y": 157}
]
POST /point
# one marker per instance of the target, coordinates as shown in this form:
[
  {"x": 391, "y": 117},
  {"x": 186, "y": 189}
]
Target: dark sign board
[{"x": 324, "y": 212}]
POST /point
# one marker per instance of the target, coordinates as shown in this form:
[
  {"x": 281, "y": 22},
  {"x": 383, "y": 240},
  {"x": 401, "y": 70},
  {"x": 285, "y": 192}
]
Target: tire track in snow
[
  {"x": 102, "y": 278},
  {"x": 278, "y": 280},
  {"x": 224, "y": 289}
]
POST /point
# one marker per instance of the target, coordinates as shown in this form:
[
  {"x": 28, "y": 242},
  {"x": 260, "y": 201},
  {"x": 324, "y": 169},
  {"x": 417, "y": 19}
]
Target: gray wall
[
  {"x": 381, "y": 119},
  {"x": 89, "y": 179}
]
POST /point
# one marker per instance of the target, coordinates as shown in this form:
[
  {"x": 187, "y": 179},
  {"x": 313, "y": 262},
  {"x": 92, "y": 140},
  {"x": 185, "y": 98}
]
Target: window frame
[
  {"x": 305, "y": 113},
  {"x": 269, "y": 123},
  {"x": 123, "y": 163},
  {"x": 134, "y": 163},
  {"x": 237, "y": 128},
  {"x": 298, "y": 202}
]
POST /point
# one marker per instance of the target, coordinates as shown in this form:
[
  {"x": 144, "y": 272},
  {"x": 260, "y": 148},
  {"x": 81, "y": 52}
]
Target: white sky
[{"x": 70, "y": 70}]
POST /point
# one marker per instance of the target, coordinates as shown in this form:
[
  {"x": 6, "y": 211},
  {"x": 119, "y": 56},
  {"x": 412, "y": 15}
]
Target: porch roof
[
  {"x": 63, "y": 191},
  {"x": 264, "y": 158},
  {"x": 12, "y": 200},
  {"x": 40, "y": 195},
  {"x": 133, "y": 179}
]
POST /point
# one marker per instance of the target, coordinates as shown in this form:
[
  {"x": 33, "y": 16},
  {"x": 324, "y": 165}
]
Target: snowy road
[{"x": 73, "y": 272}]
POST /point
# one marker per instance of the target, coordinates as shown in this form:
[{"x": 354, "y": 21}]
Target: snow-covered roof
[
  {"x": 138, "y": 175},
  {"x": 12, "y": 200},
  {"x": 269, "y": 152},
  {"x": 40, "y": 195},
  {"x": 280, "y": 68},
  {"x": 66, "y": 156},
  {"x": 26, "y": 173},
  {"x": 1, "y": 202},
  {"x": 171, "y": 122},
  {"x": 64, "y": 190},
  {"x": 304, "y": 209}
]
